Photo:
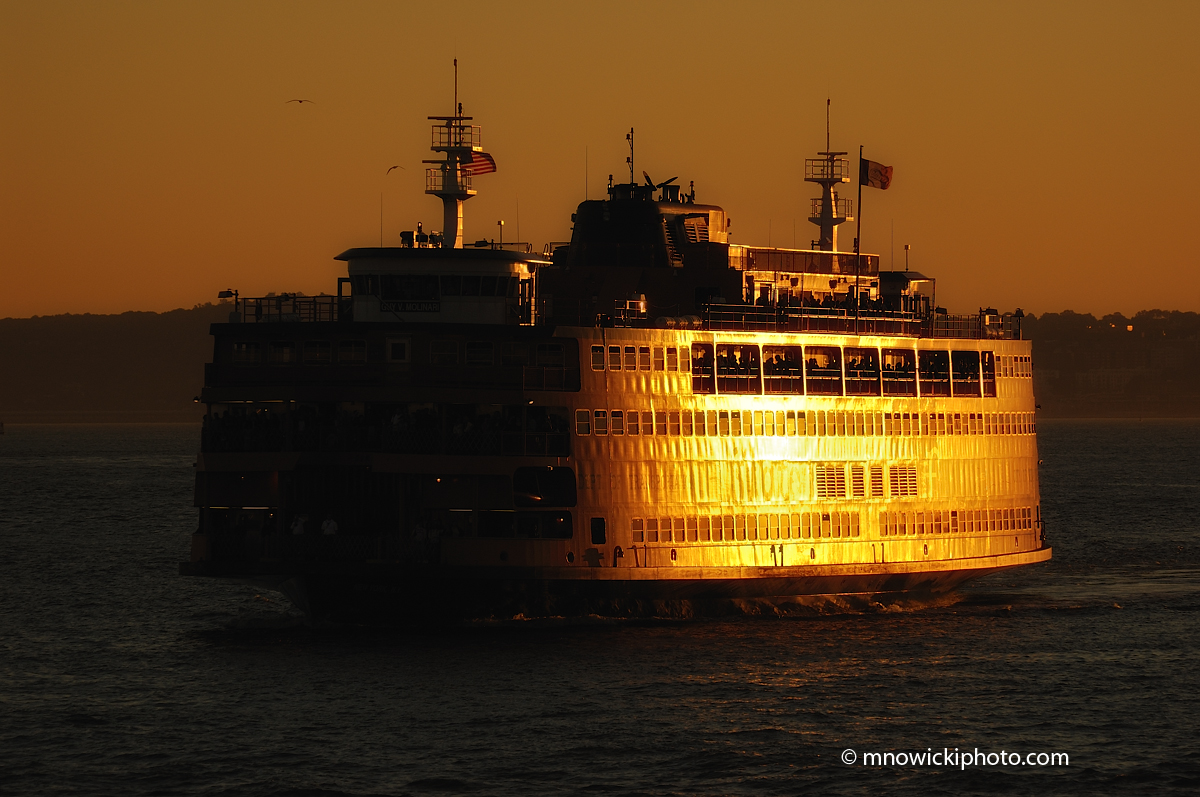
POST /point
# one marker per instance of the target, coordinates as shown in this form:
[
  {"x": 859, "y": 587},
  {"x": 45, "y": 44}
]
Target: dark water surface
[{"x": 118, "y": 676}]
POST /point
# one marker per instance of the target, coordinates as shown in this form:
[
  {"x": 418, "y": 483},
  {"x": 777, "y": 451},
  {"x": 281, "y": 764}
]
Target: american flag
[{"x": 480, "y": 163}]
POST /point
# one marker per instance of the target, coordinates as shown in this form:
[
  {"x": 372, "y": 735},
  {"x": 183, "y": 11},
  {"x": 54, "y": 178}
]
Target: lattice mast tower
[
  {"x": 828, "y": 211},
  {"x": 450, "y": 178}
]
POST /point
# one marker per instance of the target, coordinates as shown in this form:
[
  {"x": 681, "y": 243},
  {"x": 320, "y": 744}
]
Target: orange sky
[{"x": 1045, "y": 155}]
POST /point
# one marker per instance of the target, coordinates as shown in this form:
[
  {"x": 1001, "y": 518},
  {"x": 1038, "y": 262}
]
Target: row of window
[
  {"x": 826, "y": 524},
  {"x": 1016, "y": 365},
  {"x": 792, "y": 423},
  {"x": 432, "y": 287},
  {"x": 310, "y": 352},
  {"x": 642, "y": 358},
  {"x": 747, "y": 368},
  {"x": 947, "y": 521},
  {"x": 730, "y": 528}
]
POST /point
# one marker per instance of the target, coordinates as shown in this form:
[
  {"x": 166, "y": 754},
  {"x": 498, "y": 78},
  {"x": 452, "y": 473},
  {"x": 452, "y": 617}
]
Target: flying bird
[
  {"x": 389, "y": 171},
  {"x": 300, "y": 101}
]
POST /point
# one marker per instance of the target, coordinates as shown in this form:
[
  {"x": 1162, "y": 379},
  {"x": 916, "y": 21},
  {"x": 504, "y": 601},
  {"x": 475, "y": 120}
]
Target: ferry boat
[{"x": 645, "y": 420}]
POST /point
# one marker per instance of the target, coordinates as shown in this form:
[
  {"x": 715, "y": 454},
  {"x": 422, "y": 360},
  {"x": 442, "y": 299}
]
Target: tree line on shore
[{"x": 141, "y": 366}]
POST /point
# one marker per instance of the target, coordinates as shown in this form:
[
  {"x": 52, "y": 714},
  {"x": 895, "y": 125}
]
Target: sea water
[{"x": 118, "y": 676}]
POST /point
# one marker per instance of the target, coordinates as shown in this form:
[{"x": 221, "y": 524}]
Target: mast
[
  {"x": 450, "y": 179},
  {"x": 828, "y": 211}
]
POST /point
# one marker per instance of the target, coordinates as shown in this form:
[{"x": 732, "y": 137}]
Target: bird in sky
[
  {"x": 300, "y": 101},
  {"x": 389, "y": 171}
]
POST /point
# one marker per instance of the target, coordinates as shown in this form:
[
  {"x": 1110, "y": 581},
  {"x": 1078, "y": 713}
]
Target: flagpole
[{"x": 858, "y": 239}]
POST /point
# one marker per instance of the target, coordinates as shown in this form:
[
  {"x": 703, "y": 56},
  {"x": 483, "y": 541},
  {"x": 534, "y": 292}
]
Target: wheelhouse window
[
  {"x": 966, "y": 372},
  {"x": 317, "y": 352},
  {"x": 702, "y": 368},
  {"x": 783, "y": 369},
  {"x": 739, "y": 369},
  {"x": 823, "y": 370},
  {"x": 408, "y": 287},
  {"x": 899, "y": 371},
  {"x": 862, "y": 372},
  {"x": 987, "y": 361},
  {"x": 934, "y": 372}
]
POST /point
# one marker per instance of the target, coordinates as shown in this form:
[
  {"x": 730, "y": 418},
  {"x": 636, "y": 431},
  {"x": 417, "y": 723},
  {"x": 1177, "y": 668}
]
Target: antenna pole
[
  {"x": 858, "y": 239},
  {"x": 827, "y": 101},
  {"x": 456, "y": 88},
  {"x": 629, "y": 138},
  {"x": 380, "y": 219}
]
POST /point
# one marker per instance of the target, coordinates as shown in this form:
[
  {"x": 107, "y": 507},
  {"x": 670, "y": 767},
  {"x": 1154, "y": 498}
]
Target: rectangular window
[
  {"x": 791, "y": 423},
  {"x": 598, "y": 535},
  {"x": 673, "y": 424},
  {"x": 899, "y": 371},
  {"x": 693, "y": 530},
  {"x": 862, "y": 372},
  {"x": 399, "y": 350},
  {"x": 636, "y": 530},
  {"x": 658, "y": 359},
  {"x": 443, "y": 352},
  {"x": 823, "y": 370},
  {"x": 933, "y": 369},
  {"x": 647, "y": 423},
  {"x": 672, "y": 358},
  {"x": 987, "y": 362},
  {"x": 685, "y": 363},
  {"x": 758, "y": 422},
  {"x": 614, "y": 358},
  {"x": 705, "y": 529},
  {"x": 597, "y": 358},
  {"x": 281, "y": 353},
  {"x": 245, "y": 354},
  {"x": 630, "y": 358},
  {"x": 735, "y": 423},
  {"x": 703, "y": 380},
  {"x": 479, "y": 352},
  {"x": 651, "y": 529},
  {"x": 773, "y": 520},
  {"x": 723, "y": 423},
  {"x": 353, "y": 352},
  {"x": 319, "y": 352},
  {"x": 965, "y": 365},
  {"x": 739, "y": 527},
  {"x": 738, "y": 369},
  {"x": 660, "y": 423},
  {"x": 687, "y": 423},
  {"x": 600, "y": 422},
  {"x": 633, "y": 422},
  {"x": 583, "y": 422},
  {"x": 618, "y": 422},
  {"x": 783, "y": 370},
  {"x": 643, "y": 358},
  {"x": 769, "y": 424}
]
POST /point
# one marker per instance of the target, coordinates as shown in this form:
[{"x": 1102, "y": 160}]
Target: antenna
[
  {"x": 629, "y": 160},
  {"x": 906, "y": 248},
  {"x": 827, "y": 101},
  {"x": 456, "y": 105}
]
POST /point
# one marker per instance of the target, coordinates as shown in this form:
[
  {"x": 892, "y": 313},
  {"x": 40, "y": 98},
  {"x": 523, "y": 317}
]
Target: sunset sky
[{"x": 1046, "y": 155}]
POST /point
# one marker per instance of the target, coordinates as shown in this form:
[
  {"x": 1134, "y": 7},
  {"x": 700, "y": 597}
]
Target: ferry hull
[{"x": 381, "y": 593}]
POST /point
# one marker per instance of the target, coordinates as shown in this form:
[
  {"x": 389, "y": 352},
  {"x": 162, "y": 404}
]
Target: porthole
[
  {"x": 672, "y": 554},
  {"x": 927, "y": 550},
  {"x": 570, "y": 557},
  {"x": 812, "y": 553}
]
